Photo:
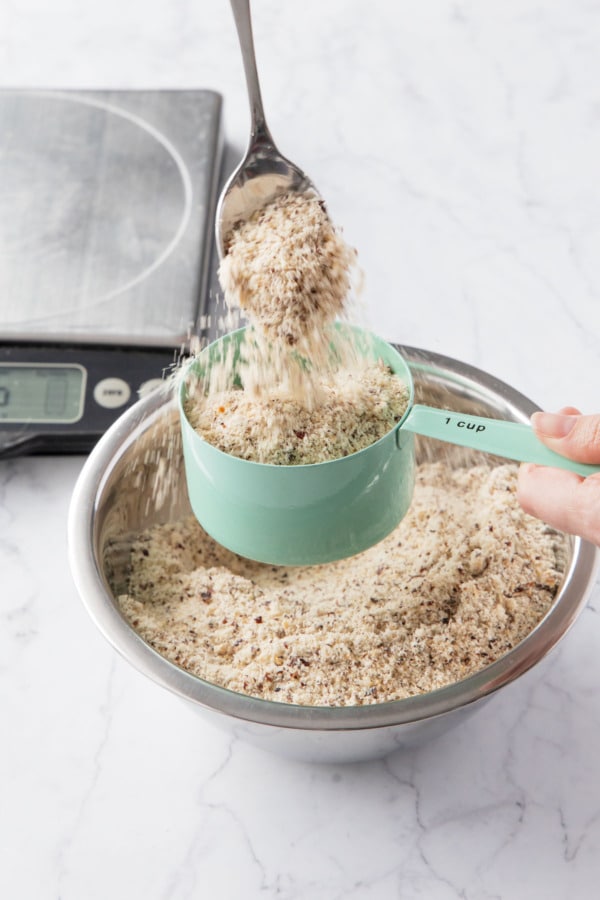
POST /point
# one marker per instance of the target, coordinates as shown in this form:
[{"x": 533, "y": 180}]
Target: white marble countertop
[{"x": 460, "y": 150}]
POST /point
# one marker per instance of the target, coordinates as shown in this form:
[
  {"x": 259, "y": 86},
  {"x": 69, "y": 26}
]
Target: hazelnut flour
[
  {"x": 463, "y": 579},
  {"x": 305, "y": 392},
  {"x": 355, "y": 408},
  {"x": 288, "y": 268}
]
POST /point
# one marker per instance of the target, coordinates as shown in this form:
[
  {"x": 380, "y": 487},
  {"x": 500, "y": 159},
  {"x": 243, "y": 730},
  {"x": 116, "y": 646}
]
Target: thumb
[{"x": 570, "y": 433}]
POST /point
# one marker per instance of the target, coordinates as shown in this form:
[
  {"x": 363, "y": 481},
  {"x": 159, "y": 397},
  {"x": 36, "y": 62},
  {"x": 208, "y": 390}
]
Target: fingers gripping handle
[{"x": 511, "y": 440}]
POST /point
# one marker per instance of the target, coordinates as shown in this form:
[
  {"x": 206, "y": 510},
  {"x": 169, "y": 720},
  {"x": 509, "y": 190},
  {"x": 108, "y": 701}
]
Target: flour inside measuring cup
[{"x": 356, "y": 408}]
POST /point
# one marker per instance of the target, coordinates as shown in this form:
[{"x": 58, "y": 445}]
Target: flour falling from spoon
[
  {"x": 289, "y": 269},
  {"x": 309, "y": 393}
]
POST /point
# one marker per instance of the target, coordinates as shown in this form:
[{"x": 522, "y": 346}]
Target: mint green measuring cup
[{"x": 309, "y": 514}]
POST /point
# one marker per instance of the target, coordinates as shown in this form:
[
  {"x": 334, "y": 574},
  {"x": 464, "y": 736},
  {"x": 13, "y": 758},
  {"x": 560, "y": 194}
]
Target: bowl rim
[{"x": 84, "y": 551}]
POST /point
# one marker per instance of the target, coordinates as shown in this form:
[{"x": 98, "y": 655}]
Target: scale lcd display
[{"x": 41, "y": 393}]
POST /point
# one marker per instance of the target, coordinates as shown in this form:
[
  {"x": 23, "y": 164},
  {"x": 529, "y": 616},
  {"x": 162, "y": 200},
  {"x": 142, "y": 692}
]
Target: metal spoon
[{"x": 263, "y": 173}]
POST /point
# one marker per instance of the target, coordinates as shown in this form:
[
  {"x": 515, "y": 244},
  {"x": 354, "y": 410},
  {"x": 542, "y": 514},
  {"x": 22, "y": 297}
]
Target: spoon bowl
[{"x": 264, "y": 173}]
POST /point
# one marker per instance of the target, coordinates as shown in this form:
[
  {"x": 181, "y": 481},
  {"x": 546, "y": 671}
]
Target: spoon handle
[
  {"x": 512, "y": 440},
  {"x": 243, "y": 24}
]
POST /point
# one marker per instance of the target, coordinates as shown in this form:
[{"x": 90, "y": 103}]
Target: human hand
[{"x": 562, "y": 499}]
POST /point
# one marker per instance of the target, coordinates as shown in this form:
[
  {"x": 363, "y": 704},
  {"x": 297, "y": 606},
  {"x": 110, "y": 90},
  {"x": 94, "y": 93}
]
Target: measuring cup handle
[{"x": 511, "y": 440}]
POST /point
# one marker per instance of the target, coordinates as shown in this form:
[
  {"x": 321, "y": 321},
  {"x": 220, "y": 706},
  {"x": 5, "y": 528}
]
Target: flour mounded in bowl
[{"x": 465, "y": 577}]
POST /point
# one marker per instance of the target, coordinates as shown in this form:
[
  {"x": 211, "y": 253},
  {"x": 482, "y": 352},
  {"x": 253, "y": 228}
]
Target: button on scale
[
  {"x": 151, "y": 385},
  {"x": 111, "y": 393}
]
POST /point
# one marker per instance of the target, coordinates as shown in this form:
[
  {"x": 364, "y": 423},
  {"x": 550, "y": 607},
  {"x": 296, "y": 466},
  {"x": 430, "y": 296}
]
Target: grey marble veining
[{"x": 458, "y": 145}]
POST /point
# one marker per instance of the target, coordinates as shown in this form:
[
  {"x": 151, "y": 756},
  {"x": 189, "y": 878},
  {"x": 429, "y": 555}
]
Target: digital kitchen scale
[{"x": 107, "y": 205}]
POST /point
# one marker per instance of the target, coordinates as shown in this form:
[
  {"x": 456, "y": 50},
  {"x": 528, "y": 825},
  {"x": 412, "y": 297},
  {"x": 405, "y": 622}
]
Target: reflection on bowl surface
[{"x": 134, "y": 480}]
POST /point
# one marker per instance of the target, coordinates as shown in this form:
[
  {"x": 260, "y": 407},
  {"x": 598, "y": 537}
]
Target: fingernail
[{"x": 553, "y": 425}]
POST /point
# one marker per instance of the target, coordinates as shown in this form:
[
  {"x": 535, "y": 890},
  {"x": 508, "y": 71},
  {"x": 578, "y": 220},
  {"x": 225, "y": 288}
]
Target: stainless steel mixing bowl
[{"x": 134, "y": 478}]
